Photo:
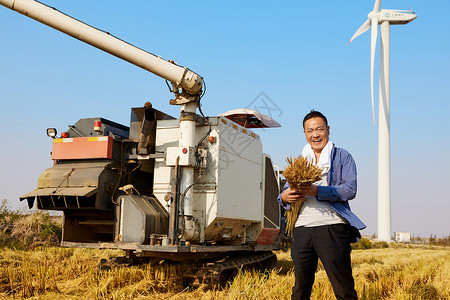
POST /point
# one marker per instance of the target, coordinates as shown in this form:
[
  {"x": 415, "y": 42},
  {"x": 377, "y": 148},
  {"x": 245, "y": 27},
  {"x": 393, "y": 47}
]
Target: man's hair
[{"x": 314, "y": 114}]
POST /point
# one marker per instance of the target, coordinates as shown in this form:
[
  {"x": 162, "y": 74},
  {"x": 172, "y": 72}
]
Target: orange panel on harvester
[{"x": 82, "y": 148}]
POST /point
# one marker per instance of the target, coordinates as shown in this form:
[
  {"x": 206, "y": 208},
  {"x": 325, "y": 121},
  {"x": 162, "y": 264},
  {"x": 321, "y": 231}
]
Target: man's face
[{"x": 316, "y": 133}]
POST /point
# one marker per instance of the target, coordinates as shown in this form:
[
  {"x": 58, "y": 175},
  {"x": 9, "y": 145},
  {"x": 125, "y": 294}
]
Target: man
[{"x": 325, "y": 226}]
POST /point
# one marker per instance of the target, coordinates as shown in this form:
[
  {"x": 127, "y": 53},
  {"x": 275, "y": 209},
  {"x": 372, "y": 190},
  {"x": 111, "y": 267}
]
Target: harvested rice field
[{"x": 56, "y": 273}]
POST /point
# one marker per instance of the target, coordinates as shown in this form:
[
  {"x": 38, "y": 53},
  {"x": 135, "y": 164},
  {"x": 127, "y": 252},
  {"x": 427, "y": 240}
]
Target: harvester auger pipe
[{"x": 182, "y": 77}]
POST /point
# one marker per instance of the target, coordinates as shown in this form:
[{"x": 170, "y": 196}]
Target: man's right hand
[{"x": 291, "y": 196}]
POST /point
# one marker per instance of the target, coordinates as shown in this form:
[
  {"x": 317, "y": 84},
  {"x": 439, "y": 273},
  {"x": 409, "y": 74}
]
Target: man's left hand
[{"x": 310, "y": 190}]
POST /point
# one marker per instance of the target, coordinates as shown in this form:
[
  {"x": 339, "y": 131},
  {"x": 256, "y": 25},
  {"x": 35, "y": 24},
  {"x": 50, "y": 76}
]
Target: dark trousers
[{"x": 331, "y": 244}]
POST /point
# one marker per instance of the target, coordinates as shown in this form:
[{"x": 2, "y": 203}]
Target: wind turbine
[{"x": 385, "y": 17}]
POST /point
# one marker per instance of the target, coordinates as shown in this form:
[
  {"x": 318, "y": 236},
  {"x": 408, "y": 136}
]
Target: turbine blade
[
  {"x": 361, "y": 30},
  {"x": 373, "y": 44},
  {"x": 376, "y": 7}
]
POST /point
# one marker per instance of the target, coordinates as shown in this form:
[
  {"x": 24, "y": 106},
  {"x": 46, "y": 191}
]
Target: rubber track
[{"x": 209, "y": 274}]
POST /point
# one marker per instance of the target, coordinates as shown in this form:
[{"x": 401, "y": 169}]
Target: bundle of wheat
[{"x": 299, "y": 172}]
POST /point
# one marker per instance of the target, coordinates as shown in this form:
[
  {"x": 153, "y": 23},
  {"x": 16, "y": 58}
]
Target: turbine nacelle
[{"x": 396, "y": 17}]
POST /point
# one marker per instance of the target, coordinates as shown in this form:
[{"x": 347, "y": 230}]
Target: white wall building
[{"x": 403, "y": 237}]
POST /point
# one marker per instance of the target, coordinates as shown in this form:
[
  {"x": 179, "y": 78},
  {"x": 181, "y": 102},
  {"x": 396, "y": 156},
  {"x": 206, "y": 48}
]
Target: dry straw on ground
[
  {"x": 299, "y": 172},
  {"x": 27, "y": 231},
  {"x": 59, "y": 273}
]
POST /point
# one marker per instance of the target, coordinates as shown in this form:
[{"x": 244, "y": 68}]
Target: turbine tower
[{"x": 385, "y": 17}]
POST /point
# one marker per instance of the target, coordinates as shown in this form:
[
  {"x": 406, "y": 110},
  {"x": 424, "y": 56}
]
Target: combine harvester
[{"x": 158, "y": 189}]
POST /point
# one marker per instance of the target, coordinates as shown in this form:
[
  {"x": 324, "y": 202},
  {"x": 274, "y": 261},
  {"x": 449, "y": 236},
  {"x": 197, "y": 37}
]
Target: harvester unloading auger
[{"x": 182, "y": 189}]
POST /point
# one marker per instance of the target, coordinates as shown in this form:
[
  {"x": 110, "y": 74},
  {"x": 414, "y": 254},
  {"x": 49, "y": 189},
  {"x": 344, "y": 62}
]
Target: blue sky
[{"x": 296, "y": 52}]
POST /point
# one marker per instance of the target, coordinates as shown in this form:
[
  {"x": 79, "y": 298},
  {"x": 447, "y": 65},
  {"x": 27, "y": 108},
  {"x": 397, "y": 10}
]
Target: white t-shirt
[{"x": 317, "y": 213}]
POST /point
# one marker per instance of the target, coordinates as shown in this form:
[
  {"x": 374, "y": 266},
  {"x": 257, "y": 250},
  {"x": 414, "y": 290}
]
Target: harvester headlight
[{"x": 51, "y": 132}]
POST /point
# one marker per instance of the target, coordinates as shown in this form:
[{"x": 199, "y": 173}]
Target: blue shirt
[{"x": 341, "y": 180}]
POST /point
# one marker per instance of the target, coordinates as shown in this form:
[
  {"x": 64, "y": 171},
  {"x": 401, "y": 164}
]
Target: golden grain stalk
[{"x": 299, "y": 172}]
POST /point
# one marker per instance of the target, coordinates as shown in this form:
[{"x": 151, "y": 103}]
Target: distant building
[{"x": 403, "y": 237}]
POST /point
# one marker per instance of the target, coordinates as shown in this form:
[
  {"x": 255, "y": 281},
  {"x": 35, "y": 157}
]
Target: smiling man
[{"x": 325, "y": 226}]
